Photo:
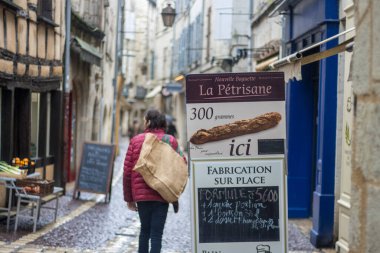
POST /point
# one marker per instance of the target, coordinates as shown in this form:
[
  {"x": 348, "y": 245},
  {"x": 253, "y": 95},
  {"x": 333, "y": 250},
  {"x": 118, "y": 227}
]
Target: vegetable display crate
[
  {"x": 36, "y": 186},
  {"x": 10, "y": 175}
]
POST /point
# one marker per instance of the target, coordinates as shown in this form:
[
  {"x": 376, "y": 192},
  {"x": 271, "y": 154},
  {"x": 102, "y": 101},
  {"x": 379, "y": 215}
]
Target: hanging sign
[{"x": 236, "y": 132}]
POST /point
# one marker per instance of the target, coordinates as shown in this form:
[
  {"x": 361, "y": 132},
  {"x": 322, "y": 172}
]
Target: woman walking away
[{"x": 152, "y": 208}]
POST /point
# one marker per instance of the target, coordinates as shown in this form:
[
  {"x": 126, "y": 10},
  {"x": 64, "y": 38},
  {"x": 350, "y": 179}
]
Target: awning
[
  {"x": 291, "y": 64},
  {"x": 265, "y": 64},
  {"x": 298, "y": 55},
  {"x": 327, "y": 53},
  {"x": 154, "y": 92},
  {"x": 88, "y": 53}
]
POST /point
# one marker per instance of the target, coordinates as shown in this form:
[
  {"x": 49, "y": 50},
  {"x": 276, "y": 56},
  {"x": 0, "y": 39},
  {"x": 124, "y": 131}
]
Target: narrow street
[
  {"x": 90, "y": 225},
  {"x": 276, "y": 102}
]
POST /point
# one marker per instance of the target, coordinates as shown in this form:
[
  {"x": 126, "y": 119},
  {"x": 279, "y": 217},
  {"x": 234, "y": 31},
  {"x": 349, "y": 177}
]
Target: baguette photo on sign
[{"x": 237, "y": 128}]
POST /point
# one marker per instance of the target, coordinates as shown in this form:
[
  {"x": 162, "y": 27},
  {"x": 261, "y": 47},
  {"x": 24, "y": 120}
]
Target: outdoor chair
[{"x": 27, "y": 202}]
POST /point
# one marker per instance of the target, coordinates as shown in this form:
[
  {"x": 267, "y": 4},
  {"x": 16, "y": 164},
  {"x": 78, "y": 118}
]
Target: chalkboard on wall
[
  {"x": 95, "y": 172},
  {"x": 238, "y": 214}
]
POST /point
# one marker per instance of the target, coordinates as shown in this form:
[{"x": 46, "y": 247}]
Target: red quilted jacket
[{"x": 135, "y": 188}]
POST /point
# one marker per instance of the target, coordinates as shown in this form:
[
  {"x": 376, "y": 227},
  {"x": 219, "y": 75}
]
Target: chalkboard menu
[
  {"x": 96, "y": 168},
  {"x": 238, "y": 214}
]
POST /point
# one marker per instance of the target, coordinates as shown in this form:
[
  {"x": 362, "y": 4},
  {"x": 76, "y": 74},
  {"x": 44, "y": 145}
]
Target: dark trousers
[{"x": 152, "y": 217}]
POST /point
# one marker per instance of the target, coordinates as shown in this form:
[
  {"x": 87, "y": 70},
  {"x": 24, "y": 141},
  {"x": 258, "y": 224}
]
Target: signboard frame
[
  {"x": 109, "y": 168},
  {"x": 214, "y": 104}
]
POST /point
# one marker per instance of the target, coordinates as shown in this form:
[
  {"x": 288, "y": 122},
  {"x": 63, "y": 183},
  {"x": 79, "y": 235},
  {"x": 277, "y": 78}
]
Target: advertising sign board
[
  {"x": 236, "y": 115},
  {"x": 236, "y": 131}
]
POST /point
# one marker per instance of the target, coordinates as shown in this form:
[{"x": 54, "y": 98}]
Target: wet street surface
[{"x": 90, "y": 225}]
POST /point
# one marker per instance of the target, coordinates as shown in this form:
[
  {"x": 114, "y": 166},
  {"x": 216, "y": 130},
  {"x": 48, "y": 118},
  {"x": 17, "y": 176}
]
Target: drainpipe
[
  {"x": 172, "y": 53},
  {"x": 250, "y": 58},
  {"x": 64, "y": 152},
  {"x": 66, "y": 82},
  {"x": 116, "y": 69}
]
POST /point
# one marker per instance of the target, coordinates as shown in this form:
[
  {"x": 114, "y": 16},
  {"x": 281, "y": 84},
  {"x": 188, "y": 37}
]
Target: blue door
[{"x": 302, "y": 111}]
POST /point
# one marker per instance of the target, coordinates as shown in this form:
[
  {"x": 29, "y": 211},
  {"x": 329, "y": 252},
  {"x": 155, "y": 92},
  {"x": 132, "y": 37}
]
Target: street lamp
[{"x": 168, "y": 15}]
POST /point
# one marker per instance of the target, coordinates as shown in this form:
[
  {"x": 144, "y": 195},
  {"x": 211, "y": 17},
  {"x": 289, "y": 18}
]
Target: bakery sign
[
  {"x": 236, "y": 133},
  {"x": 236, "y": 115}
]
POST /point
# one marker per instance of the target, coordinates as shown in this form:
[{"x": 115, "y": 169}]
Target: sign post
[{"x": 236, "y": 129}]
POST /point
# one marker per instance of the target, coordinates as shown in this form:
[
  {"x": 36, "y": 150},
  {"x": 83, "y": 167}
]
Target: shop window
[
  {"x": 45, "y": 9},
  {"x": 35, "y": 117}
]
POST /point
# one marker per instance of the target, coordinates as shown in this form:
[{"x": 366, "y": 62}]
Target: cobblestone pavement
[{"x": 90, "y": 225}]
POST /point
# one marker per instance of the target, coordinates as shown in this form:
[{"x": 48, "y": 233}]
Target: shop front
[
  {"x": 311, "y": 114},
  {"x": 31, "y": 127},
  {"x": 31, "y": 36}
]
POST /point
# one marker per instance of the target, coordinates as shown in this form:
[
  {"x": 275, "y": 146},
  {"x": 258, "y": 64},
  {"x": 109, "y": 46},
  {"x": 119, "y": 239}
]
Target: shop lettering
[
  {"x": 211, "y": 170},
  {"x": 235, "y": 90},
  {"x": 239, "y": 180},
  {"x": 231, "y": 89},
  {"x": 250, "y": 180},
  {"x": 241, "y": 149},
  {"x": 206, "y": 92}
]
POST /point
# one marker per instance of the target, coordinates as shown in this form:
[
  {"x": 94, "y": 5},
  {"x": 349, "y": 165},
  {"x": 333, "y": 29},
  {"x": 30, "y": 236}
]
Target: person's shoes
[{"x": 175, "y": 207}]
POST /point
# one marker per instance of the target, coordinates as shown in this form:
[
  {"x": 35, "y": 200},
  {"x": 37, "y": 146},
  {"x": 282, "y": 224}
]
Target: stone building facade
[
  {"x": 32, "y": 36},
  {"x": 365, "y": 184},
  {"x": 89, "y": 98},
  {"x": 207, "y": 36}
]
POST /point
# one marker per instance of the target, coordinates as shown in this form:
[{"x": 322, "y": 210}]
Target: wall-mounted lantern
[{"x": 168, "y": 15}]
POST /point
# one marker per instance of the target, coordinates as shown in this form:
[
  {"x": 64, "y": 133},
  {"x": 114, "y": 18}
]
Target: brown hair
[{"x": 156, "y": 119}]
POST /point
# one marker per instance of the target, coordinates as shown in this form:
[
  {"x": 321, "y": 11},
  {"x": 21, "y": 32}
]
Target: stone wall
[{"x": 365, "y": 202}]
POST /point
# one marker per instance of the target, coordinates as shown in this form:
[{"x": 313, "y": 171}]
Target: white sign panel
[{"x": 244, "y": 145}]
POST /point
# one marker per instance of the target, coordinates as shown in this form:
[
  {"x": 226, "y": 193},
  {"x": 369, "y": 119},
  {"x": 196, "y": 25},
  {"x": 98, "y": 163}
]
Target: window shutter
[{"x": 45, "y": 9}]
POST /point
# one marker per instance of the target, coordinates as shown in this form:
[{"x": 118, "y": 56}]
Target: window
[
  {"x": 153, "y": 2},
  {"x": 45, "y": 9},
  {"x": 35, "y": 117}
]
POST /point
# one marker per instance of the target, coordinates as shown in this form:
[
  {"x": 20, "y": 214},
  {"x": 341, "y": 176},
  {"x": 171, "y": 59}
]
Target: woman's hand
[{"x": 132, "y": 206}]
